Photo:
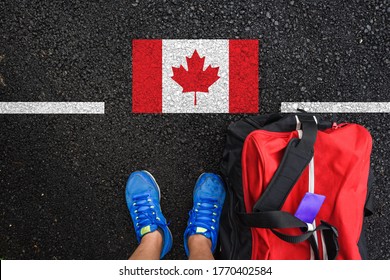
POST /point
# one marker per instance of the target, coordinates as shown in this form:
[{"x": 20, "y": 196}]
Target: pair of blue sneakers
[{"x": 143, "y": 201}]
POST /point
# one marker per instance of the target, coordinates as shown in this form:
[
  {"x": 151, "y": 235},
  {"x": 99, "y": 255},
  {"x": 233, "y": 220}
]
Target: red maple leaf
[{"x": 195, "y": 79}]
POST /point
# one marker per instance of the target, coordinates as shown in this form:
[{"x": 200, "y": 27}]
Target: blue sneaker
[
  {"x": 143, "y": 201},
  {"x": 209, "y": 195}
]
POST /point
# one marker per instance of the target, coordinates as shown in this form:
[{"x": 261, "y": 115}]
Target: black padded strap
[{"x": 297, "y": 156}]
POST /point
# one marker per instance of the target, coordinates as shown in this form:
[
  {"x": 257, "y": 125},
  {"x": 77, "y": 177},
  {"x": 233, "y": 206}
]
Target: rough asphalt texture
[{"x": 62, "y": 177}]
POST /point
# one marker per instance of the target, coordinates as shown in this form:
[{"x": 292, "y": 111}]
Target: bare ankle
[{"x": 199, "y": 240}]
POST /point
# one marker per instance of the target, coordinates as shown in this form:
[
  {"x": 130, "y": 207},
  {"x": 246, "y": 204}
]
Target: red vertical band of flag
[
  {"x": 243, "y": 76},
  {"x": 147, "y": 76}
]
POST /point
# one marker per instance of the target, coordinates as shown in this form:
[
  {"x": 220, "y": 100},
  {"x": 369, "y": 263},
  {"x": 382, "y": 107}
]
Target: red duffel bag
[{"x": 297, "y": 188}]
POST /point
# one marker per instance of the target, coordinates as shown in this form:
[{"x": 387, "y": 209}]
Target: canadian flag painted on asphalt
[{"x": 195, "y": 76}]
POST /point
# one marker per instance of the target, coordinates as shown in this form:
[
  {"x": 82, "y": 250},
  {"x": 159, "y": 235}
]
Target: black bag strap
[
  {"x": 330, "y": 238},
  {"x": 272, "y": 219},
  {"x": 297, "y": 156},
  {"x": 280, "y": 220}
]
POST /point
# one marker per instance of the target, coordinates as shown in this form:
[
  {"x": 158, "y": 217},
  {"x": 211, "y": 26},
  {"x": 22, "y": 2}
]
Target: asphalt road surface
[{"x": 62, "y": 177}]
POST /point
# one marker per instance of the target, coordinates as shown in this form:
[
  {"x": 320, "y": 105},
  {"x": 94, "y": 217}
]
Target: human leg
[{"x": 149, "y": 248}]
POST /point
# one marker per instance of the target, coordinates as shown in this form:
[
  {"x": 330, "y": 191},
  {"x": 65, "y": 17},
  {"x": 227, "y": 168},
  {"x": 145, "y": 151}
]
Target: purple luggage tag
[{"x": 309, "y": 207}]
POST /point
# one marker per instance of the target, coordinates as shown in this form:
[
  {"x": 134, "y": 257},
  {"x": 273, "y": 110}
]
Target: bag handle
[{"x": 297, "y": 156}]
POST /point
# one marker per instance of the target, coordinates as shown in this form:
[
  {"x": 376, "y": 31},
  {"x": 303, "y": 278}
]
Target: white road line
[
  {"x": 336, "y": 107},
  {"x": 51, "y": 107}
]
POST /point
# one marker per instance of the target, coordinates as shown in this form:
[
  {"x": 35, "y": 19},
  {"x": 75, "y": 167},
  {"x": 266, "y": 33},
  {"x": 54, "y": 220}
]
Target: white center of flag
[{"x": 175, "y": 54}]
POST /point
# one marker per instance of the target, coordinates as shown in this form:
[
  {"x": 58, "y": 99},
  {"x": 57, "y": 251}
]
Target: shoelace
[
  {"x": 144, "y": 210},
  {"x": 205, "y": 214}
]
